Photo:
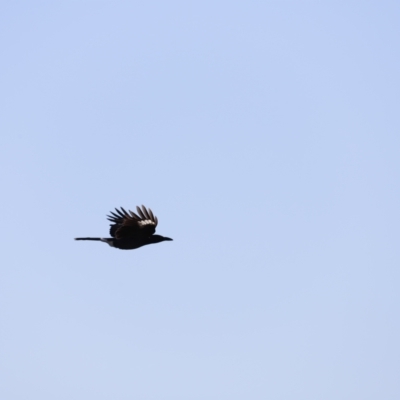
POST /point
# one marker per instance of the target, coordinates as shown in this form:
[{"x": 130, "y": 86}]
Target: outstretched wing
[{"x": 130, "y": 225}]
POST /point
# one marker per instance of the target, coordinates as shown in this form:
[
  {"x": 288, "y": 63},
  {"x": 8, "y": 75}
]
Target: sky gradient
[{"x": 264, "y": 135}]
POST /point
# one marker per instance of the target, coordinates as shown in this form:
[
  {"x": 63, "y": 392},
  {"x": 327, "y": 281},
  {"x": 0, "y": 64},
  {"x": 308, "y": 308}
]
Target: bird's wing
[{"x": 128, "y": 224}]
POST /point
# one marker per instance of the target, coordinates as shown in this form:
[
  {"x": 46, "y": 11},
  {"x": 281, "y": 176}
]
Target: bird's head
[{"x": 158, "y": 238}]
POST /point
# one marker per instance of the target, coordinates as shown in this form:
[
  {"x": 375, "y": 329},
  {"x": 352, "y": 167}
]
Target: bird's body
[{"x": 130, "y": 231}]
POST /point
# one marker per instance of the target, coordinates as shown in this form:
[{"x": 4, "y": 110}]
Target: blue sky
[{"x": 265, "y": 137}]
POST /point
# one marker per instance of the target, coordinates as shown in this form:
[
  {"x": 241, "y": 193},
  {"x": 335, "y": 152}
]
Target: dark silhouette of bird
[{"x": 129, "y": 230}]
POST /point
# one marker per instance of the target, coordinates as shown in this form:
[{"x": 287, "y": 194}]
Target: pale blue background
[{"x": 265, "y": 135}]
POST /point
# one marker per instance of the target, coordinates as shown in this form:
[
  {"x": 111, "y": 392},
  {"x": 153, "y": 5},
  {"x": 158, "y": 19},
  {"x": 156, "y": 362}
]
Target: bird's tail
[
  {"x": 109, "y": 241},
  {"x": 88, "y": 239}
]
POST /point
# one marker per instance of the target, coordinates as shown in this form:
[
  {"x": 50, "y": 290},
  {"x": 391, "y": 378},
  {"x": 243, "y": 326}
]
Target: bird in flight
[{"x": 130, "y": 231}]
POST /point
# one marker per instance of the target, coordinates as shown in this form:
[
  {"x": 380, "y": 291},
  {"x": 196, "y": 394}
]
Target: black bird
[{"x": 130, "y": 231}]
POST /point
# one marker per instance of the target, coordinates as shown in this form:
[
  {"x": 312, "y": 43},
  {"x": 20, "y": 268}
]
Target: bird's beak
[{"x": 165, "y": 238}]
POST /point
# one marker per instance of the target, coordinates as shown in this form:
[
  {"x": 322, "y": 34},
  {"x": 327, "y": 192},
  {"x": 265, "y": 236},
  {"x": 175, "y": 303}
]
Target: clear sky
[{"x": 265, "y": 136}]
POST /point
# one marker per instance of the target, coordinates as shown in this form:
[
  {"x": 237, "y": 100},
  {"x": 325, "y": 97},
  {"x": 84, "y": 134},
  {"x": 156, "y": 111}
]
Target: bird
[{"x": 130, "y": 231}]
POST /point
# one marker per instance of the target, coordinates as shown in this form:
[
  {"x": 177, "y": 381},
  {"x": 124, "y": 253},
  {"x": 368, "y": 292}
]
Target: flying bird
[{"x": 130, "y": 231}]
